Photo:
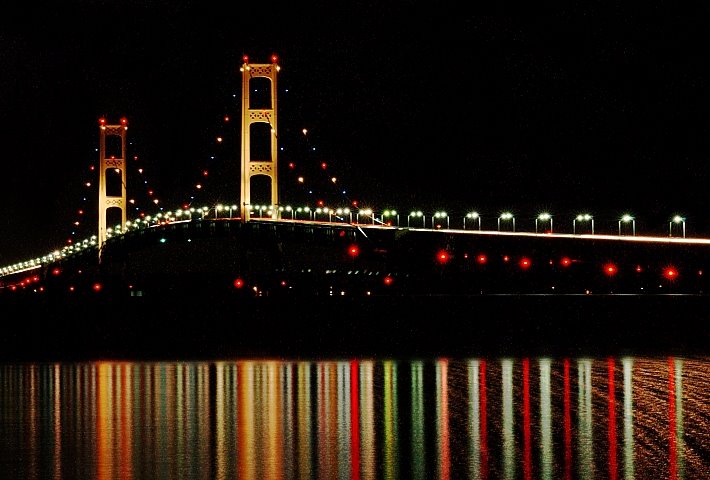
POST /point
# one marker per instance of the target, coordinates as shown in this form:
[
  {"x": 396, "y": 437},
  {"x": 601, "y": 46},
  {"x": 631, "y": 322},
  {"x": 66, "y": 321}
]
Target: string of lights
[{"x": 310, "y": 179}]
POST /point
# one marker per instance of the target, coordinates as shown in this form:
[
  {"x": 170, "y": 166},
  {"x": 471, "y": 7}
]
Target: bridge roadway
[
  {"x": 276, "y": 257},
  {"x": 223, "y": 288}
]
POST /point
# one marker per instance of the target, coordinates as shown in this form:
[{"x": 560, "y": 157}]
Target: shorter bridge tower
[
  {"x": 252, "y": 167},
  {"x": 116, "y": 160}
]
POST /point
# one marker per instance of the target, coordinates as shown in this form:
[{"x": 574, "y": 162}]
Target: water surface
[{"x": 444, "y": 418}]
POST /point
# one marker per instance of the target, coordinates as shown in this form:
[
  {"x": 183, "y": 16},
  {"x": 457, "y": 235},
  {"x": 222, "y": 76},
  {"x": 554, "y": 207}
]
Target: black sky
[{"x": 605, "y": 113}]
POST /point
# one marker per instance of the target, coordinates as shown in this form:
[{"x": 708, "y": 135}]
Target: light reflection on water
[{"x": 510, "y": 418}]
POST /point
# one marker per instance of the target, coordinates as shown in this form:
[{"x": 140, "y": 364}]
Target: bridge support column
[
  {"x": 115, "y": 160},
  {"x": 250, "y": 166}
]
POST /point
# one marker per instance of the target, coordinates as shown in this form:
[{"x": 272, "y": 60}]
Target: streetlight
[
  {"x": 418, "y": 214},
  {"x": 582, "y": 217},
  {"x": 544, "y": 217},
  {"x": 506, "y": 216},
  {"x": 365, "y": 212},
  {"x": 439, "y": 215},
  {"x": 306, "y": 210},
  {"x": 676, "y": 219},
  {"x": 341, "y": 212},
  {"x": 288, "y": 209},
  {"x": 262, "y": 209},
  {"x": 472, "y": 216},
  {"x": 390, "y": 213},
  {"x": 626, "y": 218}
]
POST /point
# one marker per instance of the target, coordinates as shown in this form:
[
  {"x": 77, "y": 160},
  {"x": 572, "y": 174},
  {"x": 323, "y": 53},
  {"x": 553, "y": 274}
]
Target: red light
[
  {"x": 56, "y": 271},
  {"x": 274, "y": 59},
  {"x": 71, "y": 289},
  {"x": 97, "y": 287},
  {"x": 353, "y": 250},
  {"x": 102, "y": 121},
  {"x": 442, "y": 256},
  {"x": 323, "y": 165},
  {"x": 525, "y": 263},
  {"x": 245, "y": 58},
  {"x": 124, "y": 121},
  {"x": 506, "y": 258},
  {"x": 566, "y": 262},
  {"x": 283, "y": 283},
  {"x": 670, "y": 273},
  {"x": 610, "y": 269},
  {"x": 388, "y": 280},
  {"x": 639, "y": 269},
  {"x": 291, "y": 165},
  {"x": 238, "y": 283},
  {"x": 482, "y": 259}
]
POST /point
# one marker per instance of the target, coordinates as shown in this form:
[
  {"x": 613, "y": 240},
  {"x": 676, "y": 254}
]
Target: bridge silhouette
[{"x": 271, "y": 247}]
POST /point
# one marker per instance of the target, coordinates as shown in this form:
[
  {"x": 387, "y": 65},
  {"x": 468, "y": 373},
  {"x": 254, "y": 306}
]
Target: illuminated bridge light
[
  {"x": 670, "y": 273},
  {"x": 388, "y": 280},
  {"x": 525, "y": 263},
  {"x": 482, "y": 259},
  {"x": 96, "y": 287},
  {"x": 238, "y": 283},
  {"x": 442, "y": 256},
  {"x": 566, "y": 261},
  {"x": 353, "y": 251},
  {"x": 610, "y": 269}
]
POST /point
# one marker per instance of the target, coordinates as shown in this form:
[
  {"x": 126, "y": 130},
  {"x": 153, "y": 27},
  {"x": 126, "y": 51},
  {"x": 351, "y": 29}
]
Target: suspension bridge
[{"x": 263, "y": 246}]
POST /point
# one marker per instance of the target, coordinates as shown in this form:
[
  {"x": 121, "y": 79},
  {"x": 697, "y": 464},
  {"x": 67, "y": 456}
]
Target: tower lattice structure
[
  {"x": 251, "y": 167},
  {"x": 116, "y": 162}
]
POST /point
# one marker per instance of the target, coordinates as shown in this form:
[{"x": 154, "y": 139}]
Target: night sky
[{"x": 605, "y": 113}]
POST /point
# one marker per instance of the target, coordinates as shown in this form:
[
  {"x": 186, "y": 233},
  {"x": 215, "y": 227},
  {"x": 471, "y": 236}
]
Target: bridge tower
[
  {"x": 252, "y": 167},
  {"x": 115, "y": 160}
]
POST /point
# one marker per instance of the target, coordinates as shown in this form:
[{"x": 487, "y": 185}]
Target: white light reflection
[
  {"x": 508, "y": 420},
  {"x": 418, "y": 439},
  {"x": 367, "y": 419},
  {"x": 344, "y": 426},
  {"x": 585, "y": 438},
  {"x": 474, "y": 421},
  {"x": 679, "y": 433},
  {"x": 628, "y": 365},
  {"x": 546, "y": 453}
]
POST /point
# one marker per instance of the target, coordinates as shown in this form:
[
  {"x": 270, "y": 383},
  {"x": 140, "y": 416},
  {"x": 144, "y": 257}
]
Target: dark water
[{"x": 478, "y": 418}]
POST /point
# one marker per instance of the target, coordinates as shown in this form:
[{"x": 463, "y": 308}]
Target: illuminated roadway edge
[{"x": 36, "y": 265}]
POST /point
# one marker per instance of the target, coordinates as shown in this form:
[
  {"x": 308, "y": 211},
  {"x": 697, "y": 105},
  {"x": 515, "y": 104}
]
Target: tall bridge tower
[
  {"x": 253, "y": 167},
  {"x": 115, "y": 137}
]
